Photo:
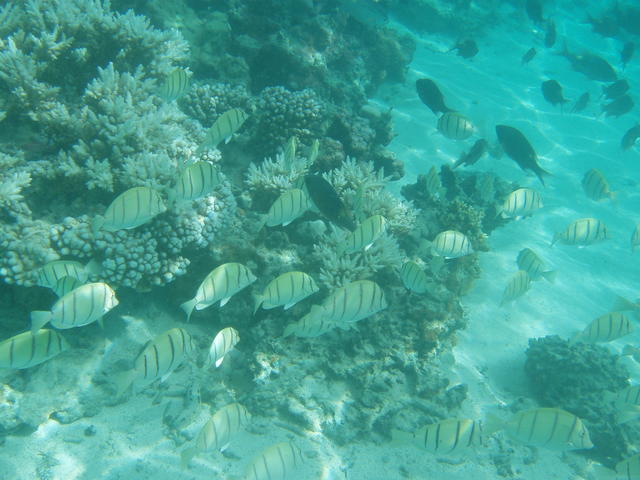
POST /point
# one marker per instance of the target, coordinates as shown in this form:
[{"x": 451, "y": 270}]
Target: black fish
[
  {"x": 328, "y": 202},
  {"x": 431, "y": 96},
  {"x": 581, "y": 103},
  {"x": 473, "y": 155},
  {"x": 627, "y": 53},
  {"x": 552, "y": 92},
  {"x": 630, "y": 137},
  {"x": 534, "y": 10},
  {"x": 592, "y": 66},
  {"x": 526, "y": 58},
  {"x": 607, "y": 26},
  {"x": 619, "y": 106},
  {"x": 550, "y": 36},
  {"x": 516, "y": 145},
  {"x": 616, "y": 89},
  {"x": 466, "y": 48}
]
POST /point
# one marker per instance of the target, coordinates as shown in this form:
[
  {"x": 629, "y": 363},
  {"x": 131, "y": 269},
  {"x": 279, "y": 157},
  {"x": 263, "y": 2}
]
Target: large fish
[
  {"x": 431, "y": 96},
  {"x": 615, "y": 89},
  {"x": 534, "y": 10},
  {"x": 619, "y": 106},
  {"x": 592, "y": 66},
  {"x": 516, "y": 145},
  {"x": 326, "y": 199},
  {"x": 552, "y": 92}
]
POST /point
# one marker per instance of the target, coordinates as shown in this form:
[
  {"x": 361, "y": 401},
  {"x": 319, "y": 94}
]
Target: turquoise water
[{"x": 95, "y": 101}]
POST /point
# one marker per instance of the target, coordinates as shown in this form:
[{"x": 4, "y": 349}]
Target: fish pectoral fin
[
  {"x": 219, "y": 361},
  {"x": 224, "y": 301},
  {"x": 39, "y": 319},
  {"x": 290, "y": 304}
]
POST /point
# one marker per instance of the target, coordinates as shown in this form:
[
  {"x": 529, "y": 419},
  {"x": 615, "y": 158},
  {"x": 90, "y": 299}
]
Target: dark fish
[
  {"x": 581, "y": 103},
  {"x": 328, "y": 202},
  {"x": 473, "y": 155},
  {"x": 526, "y": 58},
  {"x": 592, "y": 66},
  {"x": 619, "y": 106},
  {"x": 552, "y": 92},
  {"x": 616, "y": 89},
  {"x": 606, "y": 26},
  {"x": 627, "y": 53},
  {"x": 630, "y": 137},
  {"x": 466, "y": 48},
  {"x": 516, "y": 145},
  {"x": 431, "y": 95},
  {"x": 534, "y": 10},
  {"x": 550, "y": 36}
]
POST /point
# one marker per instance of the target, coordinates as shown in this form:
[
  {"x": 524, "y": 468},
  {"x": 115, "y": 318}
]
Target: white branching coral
[
  {"x": 11, "y": 186},
  {"x": 275, "y": 176}
]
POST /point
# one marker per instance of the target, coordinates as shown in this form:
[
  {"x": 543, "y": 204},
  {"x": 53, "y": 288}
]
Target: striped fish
[
  {"x": 455, "y": 126},
  {"x": 157, "y": 360},
  {"x": 223, "y": 128},
  {"x": 365, "y": 234},
  {"x": 451, "y": 244},
  {"x": 413, "y": 277},
  {"x": 196, "y": 181},
  {"x": 582, "y": 232},
  {"x": 223, "y": 343},
  {"x": 218, "y": 431},
  {"x": 605, "y": 328},
  {"x": 65, "y": 285},
  {"x": 596, "y": 187},
  {"x": 79, "y": 307},
  {"x": 220, "y": 284},
  {"x": 175, "y": 85},
  {"x": 530, "y": 262},
  {"x": 433, "y": 183},
  {"x": 446, "y": 436},
  {"x": 287, "y": 207},
  {"x": 520, "y": 203},
  {"x": 517, "y": 286},
  {"x": 635, "y": 238},
  {"x": 286, "y": 289},
  {"x": 551, "y": 428},
  {"x": 49, "y": 274},
  {"x": 26, "y": 349},
  {"x": 130, "y": 209},
  {"x": 312, "y": 325},
  {"x": 353, "y": 302},
  {"x": 281, "y": 461},
  {"x": 626, "y": 402},
  {"x": 629, "y": 468}
]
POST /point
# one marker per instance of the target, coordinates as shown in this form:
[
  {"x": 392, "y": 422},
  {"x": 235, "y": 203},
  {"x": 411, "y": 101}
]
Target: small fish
[
  {"x": 581, "y": 103},
  {"x": 607, "y": 25},
  {"x": 528, "y": 56},
  {"x": 627, "y": 53},
  {"x": 629, "y": 138},
  {"x": 157, "y": 360},
  {"x": 82, "y": 306},
  {"x": 530, "y": 262},
  {"x": 290, "y": 150},
  {"x": 312, "y": 325},
  {"x": 130, "y": 209},
  {"x": 27, "y": 349},
  {"x": 365, "y": 234},
  {"x": 451, "y": 244},
  {"x": 218, "y": 431},
  {"x": 220, "y": 284},
  {"x": 281, "y": 461},
  {"x": 466, "y": 48},
  {"x": 327, "y": 201},
  {"x": 175, "y": 85},
  {"x": 521, "y": 203},
  {"x": 289, "y": 206},
  {"x": 582, "y": 232},
  {"x": 635, "y": 238},
  {"x": 517, "y": 286},
  {"x": 534, "y": 10},
  {"x": 49, "y": 274},
  {"x": 223, "y": 343},
  {"x": 431, "y": 96},
  {"x": 65, "y": 285},
  {"x": 223, "y": 128},
  {"x": 605, "y": 328},
  {"x": 352, "y": 303},
  {"x": 550, "y": 35},
  {"x": 413, "y": 277},
  {"x": 518, "y": 148},
  {"x": 455, "y": 126},
  {"x": 472, "y": 156},
  {"x": 592, "y": 66},
  {"x": 196, "y": 181},
  {"x": 616, "y": 89},
  {"x": 447, "y": 436},
  {"x": 286, "y": 290},
  {"x": 552, "y": 92},
  {"x": 433, "y": 183},
  {"x": 619, "y": 106},
  {"x": 551, "y": 428},
  {"x": 596, "y": 187}
]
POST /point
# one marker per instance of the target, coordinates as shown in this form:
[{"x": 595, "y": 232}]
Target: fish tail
[
  {"x": 258, "y": 300},
  {"x": 97, "y": 224},
  {"x": 188, "y": 307},
  {"x": 550, "y": 276},
  {"x": 400, "y": 437},
  {"x": 627, "y": 350},
  {"x": 186, "y": 456},
  {"x": 94, "y": 267},
  {"x": 556, "y": 237},
  {"x": 39, "y": 319},
  {"x": 541, "y": 173},
  {"x": 621, "y": 304},
  {"x": 122, "y": 381},
  {"x": 289, "y": 330},
  {"x": 628, "y": 413}
]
